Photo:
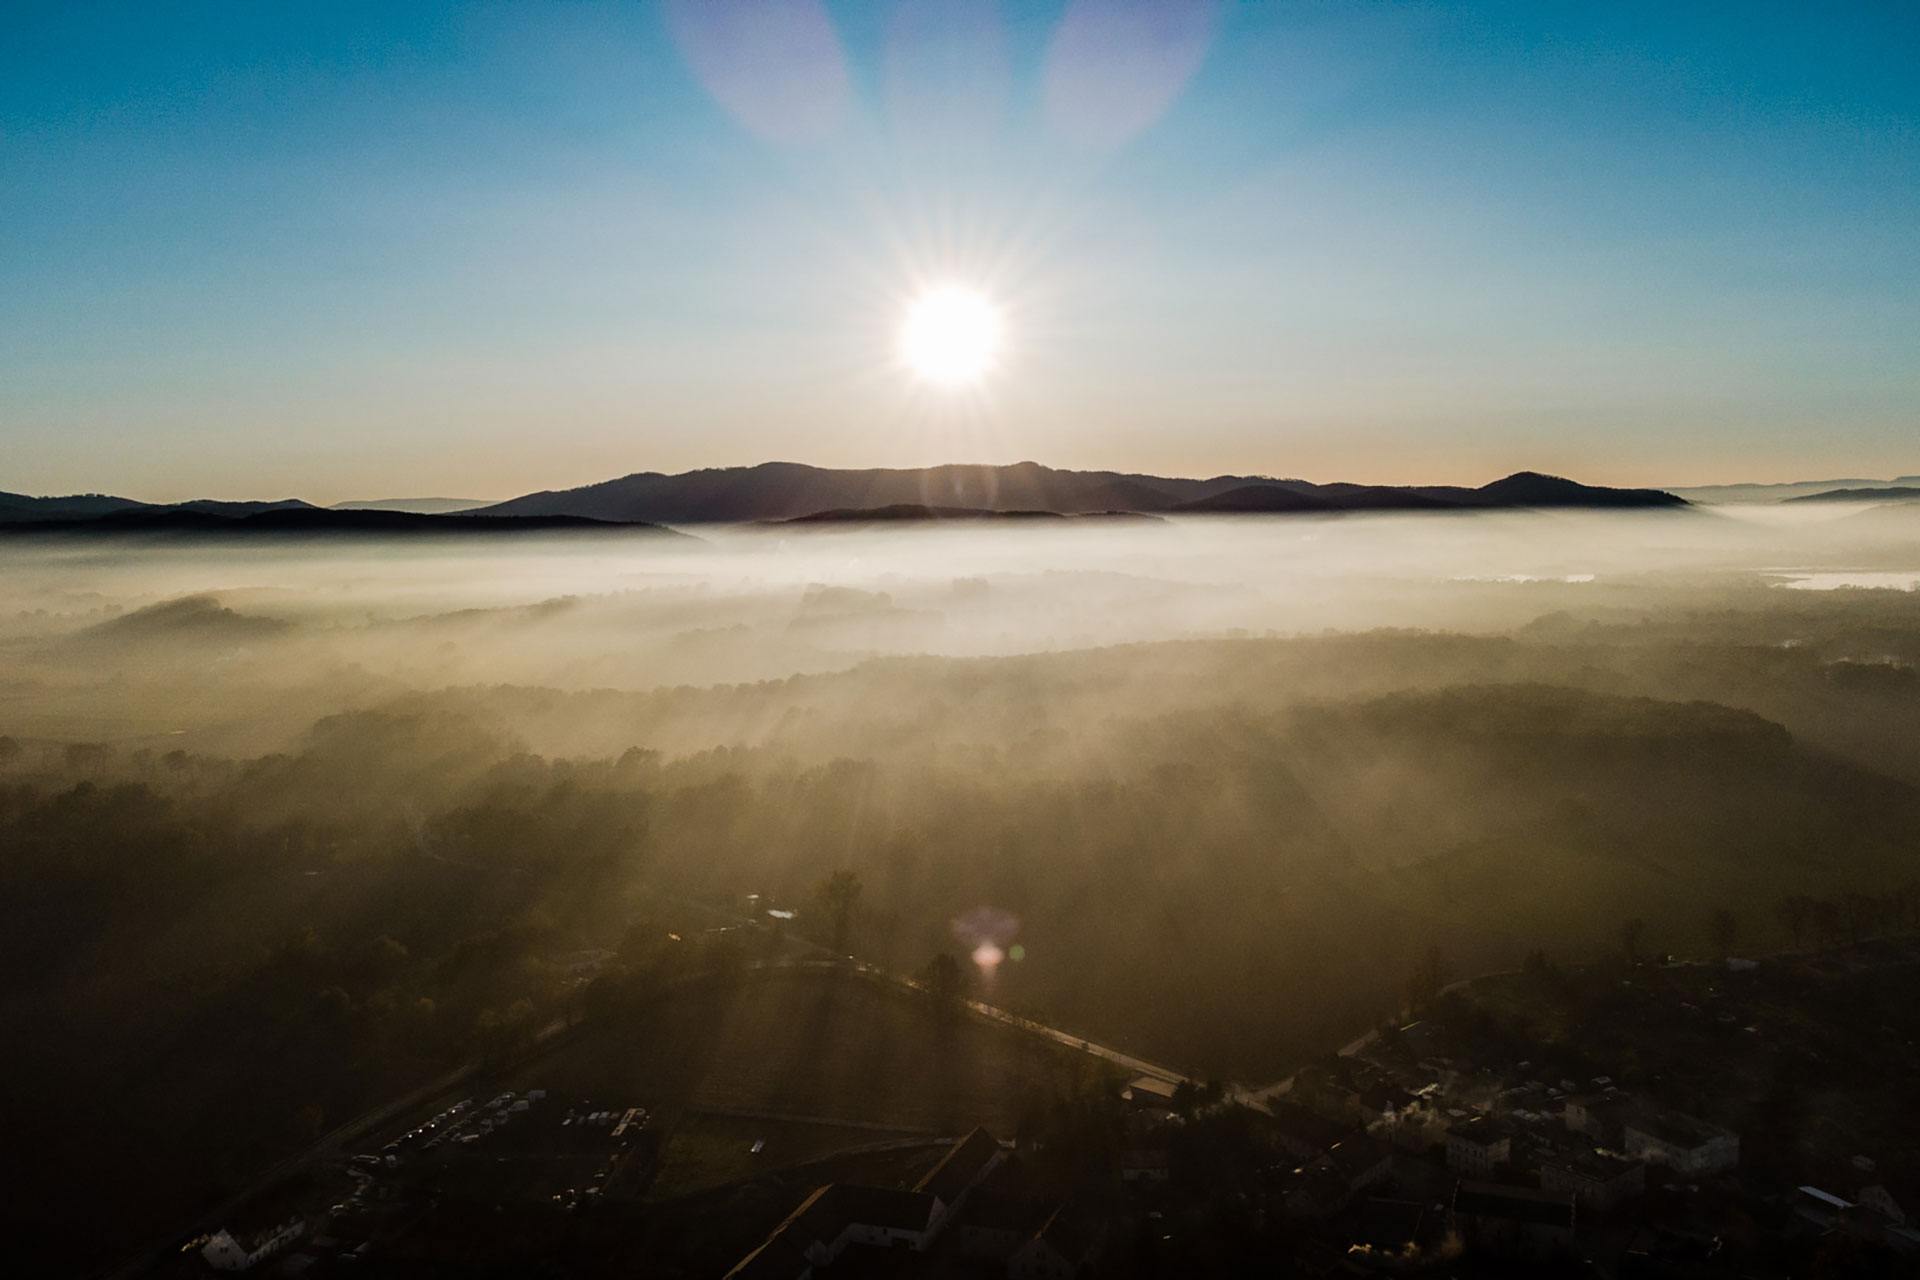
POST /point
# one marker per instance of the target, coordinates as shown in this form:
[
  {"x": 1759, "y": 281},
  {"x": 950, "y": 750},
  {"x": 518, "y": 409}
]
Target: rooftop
[
  {"x": 1594, "y": 1165},
  {"x": 827, "y": 1212},
  {"x": 1477, "y": 1129},
  {"x": 961, "y": 1167},
  {"x": 1679, "y": 1130},
  {"x": 1307, "y": 1126},
  {"x": 1515, "y": 1204},
  {"x": 991, "y": 1210}
]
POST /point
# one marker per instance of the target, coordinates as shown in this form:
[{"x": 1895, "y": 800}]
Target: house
[
  {"x": 1823, "y": 1209},
  {"x": 1380, "y": 1101},
  {"x": 1151, "y": 1093},
  {"x": 1304, "y": 1134},
  {"x": 1516, "y": 1221},
  {"x": 994, "y": 1225},
  {"x": 1063, "y": 1246},
  {"x": 1682, "y": 1143},
  {"x": 1359, "y": 1161},
  {"x": 1143, "y": 1166},
  {"x": 832, "y": 1219},
  {"x": 1896, "y": 1201},
  {"x": 959, "y": 1171},
  {"x": 1420, "y": 1038},
  {"x": 1476, "y": 1146},
  {"x": 1317, "y": 1193},
  {"x": 1598, "y": 1182},
  {"x": 1327, "y": 1185},
  {"x": 1600, "y": 1116},
  {"x": 223, "y": 1252}
]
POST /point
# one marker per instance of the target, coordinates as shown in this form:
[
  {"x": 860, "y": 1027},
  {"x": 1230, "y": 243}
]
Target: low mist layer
[{"x": 289, "y": 827}]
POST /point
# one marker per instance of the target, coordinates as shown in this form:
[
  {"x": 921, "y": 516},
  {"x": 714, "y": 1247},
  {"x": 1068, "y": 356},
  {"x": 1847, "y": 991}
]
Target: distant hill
[
  {"x": 17, "y": 508},
  {"x": 1526, "y": 489},
  {"x": 1784, "y": 492},
  {"x": 80, "y": 506},
  {"x": 1891, "y": 493},
  {"x": 189, "y": 617},
  {"x": 915, "y": 511},
  {"x": 784, "y": 491},
  {"x": 775, "y": 492},
  {"x": 419, "y": 506},
  {"x": 303, "y": 521}
]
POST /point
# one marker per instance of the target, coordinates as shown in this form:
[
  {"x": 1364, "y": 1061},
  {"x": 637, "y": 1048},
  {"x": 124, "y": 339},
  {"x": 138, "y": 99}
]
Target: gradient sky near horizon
[{"x": 340, "y": 250}]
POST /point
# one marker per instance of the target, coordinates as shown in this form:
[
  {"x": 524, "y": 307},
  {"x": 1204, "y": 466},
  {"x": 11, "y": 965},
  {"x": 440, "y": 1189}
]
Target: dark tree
[
  {"x": 1428, "y": 979},
  {"x": 944, "y": 981},
  {"x": 1826, "y": 922},
  {"x": 838, "y": 895},
  {"x": 1724, "y": 929},
  {"x": 1796, "y": 913},
  {"x": 1632, "y": 933}
]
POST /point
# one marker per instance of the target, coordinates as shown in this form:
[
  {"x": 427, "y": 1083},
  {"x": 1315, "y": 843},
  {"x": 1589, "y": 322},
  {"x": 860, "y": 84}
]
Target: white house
[
  {"x": 995, "y": 1225},
  {"x": 1596, "y": 1181},
  {"x": 1475, "y": 1146},
  {"x": 1682, "y": 1143}
]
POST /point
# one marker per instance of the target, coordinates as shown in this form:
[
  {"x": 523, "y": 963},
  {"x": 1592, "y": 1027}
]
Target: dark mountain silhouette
[
  {"x": 1523, "y": 489},
  {"x": 18, "y": 508},
  {"x": 1531, "y": 489},
  {"x": 78, "y": 506},
  {"x": 1892, "y": 493},
  {"x": 774, "y": 492},
  {"x": 422, "y": 506},
  {"x": 1257, "y": 498},
  {"x": 784, "y": 490},
  {"x": 916, "y": 511},
  {"x": 778, "y": 491},
  {"x": 304, "y": 521}
]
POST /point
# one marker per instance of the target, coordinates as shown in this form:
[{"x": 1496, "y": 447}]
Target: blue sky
[{"x": 341, "y": 250}]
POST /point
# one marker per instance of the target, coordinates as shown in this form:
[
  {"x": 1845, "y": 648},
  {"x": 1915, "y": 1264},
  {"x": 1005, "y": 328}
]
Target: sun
[{"x": 951, "y": 336}]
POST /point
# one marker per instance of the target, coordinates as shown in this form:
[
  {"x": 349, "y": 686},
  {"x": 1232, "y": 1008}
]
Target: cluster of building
[
  {"x": 1396, "y": 1158},
  {"x": 953, "y": 1212},
  {"x": 584, "y": 1147}
]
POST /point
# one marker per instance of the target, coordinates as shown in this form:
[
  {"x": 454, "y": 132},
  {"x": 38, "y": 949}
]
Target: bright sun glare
[{"x": 951, "y": 335}]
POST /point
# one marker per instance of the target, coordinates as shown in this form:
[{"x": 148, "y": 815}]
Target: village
[{"x": 1441, "y": 1145}]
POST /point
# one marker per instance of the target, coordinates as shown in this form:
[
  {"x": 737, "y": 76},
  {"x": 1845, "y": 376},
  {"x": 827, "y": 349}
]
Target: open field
[
  {"x": 706, "y": 1151},
  {"x": 811, "y": 1043}
]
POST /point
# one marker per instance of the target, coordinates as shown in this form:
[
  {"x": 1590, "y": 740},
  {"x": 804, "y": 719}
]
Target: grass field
[
  {"x": 816, "y": 1044},
  {"x": 708, "y": 1151}
]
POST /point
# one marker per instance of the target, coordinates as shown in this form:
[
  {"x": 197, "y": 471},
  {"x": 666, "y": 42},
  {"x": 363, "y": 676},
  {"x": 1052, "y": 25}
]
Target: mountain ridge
[
  {"x": 783, "y": 491},
  {"x": 774, "y": 492}
]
